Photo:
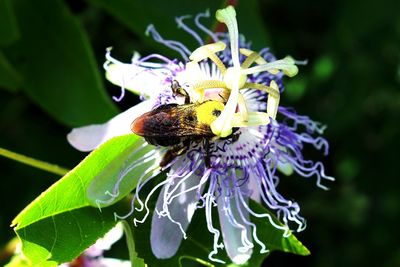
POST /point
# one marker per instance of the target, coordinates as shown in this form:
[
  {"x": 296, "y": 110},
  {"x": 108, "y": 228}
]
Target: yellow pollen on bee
[{"x": 209, "y": 111}]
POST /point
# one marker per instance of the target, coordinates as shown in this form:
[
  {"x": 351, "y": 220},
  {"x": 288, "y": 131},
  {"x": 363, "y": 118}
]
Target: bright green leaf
[
  {"x": 8, "y": 25},
  {"x": 57, "y": 63},
  {"x": 274, "y": 240},
  {"x": 17, "y": 261},
  {"x": 9, "y": 77},
  {"x": 60, "y": 223},
  {"x": 62, "y": 237}
]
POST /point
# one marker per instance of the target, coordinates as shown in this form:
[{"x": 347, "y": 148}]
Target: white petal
[
  {"x": 87, "y": 138},
  {"x": 238, "y": 250},
  {"x": 137, "y": 79},
  {"x": 166, "y": 236},
  {"x": 254, "y": 187},
  {"x": 105, "y": 242}
]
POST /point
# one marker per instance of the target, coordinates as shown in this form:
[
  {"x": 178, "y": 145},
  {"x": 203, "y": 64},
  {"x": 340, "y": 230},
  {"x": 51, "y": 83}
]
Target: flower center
[{"x": 234, "y": 79}]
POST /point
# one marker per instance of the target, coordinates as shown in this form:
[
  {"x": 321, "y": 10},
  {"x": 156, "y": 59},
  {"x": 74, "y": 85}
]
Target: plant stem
[
  {"x": 33, "y": 162},
  {"x": 130, "y": 243}
]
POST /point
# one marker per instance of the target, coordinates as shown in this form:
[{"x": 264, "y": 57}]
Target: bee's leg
[
  {"x": 222, "y": 97},
  {"x": 207, "y": 150},
  {"x": 232, "y": 137},
  {"x": 235, "y": 136},
  {"x": 178, "y": 90},
  {"x": 171, "y": 154}
]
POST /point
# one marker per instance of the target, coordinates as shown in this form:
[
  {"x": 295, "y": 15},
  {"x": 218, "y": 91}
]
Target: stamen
[
  {"x": 234, "y": 79},
  {"x": 209, "y": 84},
  {"x": 253, "y": 119},
  {"x": 273, "y": 102},
  {"x": 243, "y": 108},
  {"x": 208, "y": 51},
  {"x": 273, "y": 91},
  {"x": 251, "y": 58},
  {"x": 287, "y": 65},
  {"x": 222, "y": 126}
]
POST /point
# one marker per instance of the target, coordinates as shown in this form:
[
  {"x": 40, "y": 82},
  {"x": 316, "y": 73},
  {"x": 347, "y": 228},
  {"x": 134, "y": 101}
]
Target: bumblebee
[{"x": 178, "y": 125}]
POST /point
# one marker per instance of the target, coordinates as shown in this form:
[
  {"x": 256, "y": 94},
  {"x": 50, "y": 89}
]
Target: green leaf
[
  {"x": 62, "y": 237},
  {"x": 57, "y": 63},
  {"x": 133, "y": 256},
  {"x": 8, "y": 25},
  {"x": 58, "y": 225},
  {"x": 273, "y": 237},
  {"x": 199, "y": 242},
  {"x": 9, "y": 77}
]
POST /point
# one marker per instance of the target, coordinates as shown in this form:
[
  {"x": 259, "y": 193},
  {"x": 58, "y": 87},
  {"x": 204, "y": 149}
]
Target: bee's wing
[{"x": 170, "y": 121}]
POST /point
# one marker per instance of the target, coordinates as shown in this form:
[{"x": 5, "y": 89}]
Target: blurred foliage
[{"x": 51, "y": 53}]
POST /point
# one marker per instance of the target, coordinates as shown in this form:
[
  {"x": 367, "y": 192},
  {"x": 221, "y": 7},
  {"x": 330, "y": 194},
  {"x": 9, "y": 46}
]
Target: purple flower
[{"x": 241, "y": 168}]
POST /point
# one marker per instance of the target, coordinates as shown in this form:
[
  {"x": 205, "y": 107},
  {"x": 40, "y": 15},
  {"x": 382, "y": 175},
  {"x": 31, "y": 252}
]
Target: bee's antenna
[{"x": 178, "y": 90}]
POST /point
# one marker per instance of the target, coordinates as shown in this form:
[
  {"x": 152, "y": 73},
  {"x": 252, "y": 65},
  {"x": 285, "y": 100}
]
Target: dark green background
[{"x": 351, "y": 84}]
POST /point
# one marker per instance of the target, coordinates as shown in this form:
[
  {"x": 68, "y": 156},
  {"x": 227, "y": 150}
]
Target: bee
[{"x": 178, "y": 125}]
